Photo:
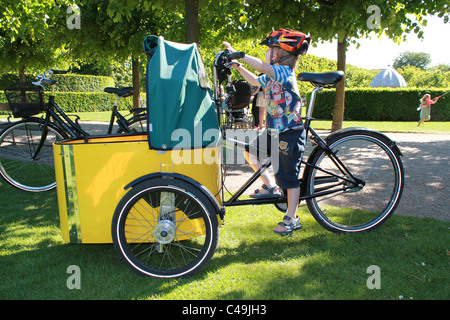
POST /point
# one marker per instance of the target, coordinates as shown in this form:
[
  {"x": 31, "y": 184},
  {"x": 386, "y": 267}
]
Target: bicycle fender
[
  {"x": 392, "y": 144},
  {"x": 219, "y": 209}
]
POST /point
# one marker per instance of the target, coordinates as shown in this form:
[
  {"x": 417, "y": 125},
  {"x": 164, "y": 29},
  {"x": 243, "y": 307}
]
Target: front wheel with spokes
[
  {"x": 165, "y": 228},
  {"x": 357, "y": 186}
]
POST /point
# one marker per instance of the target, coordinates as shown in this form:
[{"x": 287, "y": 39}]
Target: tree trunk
[
  {"x": 191, "y": 18},
  {"x": 22, "y": 73},
  {"x": 339, "y": 102},
  {"x": 136, "y": 94}
]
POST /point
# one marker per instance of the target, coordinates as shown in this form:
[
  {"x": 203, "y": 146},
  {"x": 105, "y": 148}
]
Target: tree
[
  {"x": 177, "y": 21},
  {"x": 31, "y": 34},
  {"x": 115, "y": 30},
  {"x": 416, "y": 59},
  {"x": 192, "y": 26},
  {"x": 203, "y": 21},
  {"x": 436, "y": 77}
]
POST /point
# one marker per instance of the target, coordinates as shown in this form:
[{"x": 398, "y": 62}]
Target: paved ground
[
  {"x": 426, "y": 160},
  {"x": 427, "y": 174}
]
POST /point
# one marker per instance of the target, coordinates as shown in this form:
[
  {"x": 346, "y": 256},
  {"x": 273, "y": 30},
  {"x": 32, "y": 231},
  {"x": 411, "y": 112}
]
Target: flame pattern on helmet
[{"x": 294, "y": 42}]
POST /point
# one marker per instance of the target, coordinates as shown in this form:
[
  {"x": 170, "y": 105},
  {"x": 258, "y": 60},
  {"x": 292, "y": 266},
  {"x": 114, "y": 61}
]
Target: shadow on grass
[{"x": 250, "y": 263}]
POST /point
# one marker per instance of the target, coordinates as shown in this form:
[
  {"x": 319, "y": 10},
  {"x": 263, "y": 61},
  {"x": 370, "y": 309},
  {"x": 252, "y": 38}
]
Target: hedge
[
  {"x": 82, "y": 83},
  {"x": 66, "y": 82},
  {"x": 382, "y": 104},
  {"x": 85, "y": 101},
  {"x": 75, "y": 93},
  {"x": 90, "y": 101}
]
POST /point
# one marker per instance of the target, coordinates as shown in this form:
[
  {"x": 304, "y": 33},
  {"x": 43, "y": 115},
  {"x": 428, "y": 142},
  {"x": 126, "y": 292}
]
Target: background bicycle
[{"x": 26, "y": 154}]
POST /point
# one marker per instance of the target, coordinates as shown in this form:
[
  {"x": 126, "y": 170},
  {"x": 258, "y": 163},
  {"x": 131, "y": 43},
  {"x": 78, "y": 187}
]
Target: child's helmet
[{"x": 294, "y": 42}]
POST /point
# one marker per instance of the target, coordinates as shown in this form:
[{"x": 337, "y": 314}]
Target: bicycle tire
[
  {"x": 165, "y": 228},
  {"x": 18, "y": 143},
  {"x": 364, "y": 206},
  {"x": 136, "y": 124}
]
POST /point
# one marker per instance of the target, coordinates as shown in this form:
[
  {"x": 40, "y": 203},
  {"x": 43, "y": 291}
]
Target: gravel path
[{"x": 425, "y": 159}]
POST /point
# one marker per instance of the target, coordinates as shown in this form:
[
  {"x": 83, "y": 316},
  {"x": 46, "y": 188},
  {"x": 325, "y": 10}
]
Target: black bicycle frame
[
  {"x": 346, "y": 177},
  {"x": 345, "y": 181},
  {"x": 121, "y": 120},
  {"x": 62, "y": 120},
  {"x": 115, "y": 115},
  {"x": 67, "y": 125}
]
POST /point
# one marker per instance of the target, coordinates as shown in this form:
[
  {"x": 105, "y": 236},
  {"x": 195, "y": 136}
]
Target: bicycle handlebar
[
  {"x": 225, "y": 59},
  {"x": 46, "y": 75},
  {"x": 59, "y": 71},
  {"x": 236, "y": 55}
]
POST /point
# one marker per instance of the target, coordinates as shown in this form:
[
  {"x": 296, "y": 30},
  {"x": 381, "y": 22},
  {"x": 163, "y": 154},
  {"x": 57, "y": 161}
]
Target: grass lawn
[
  {"x": 390, "y": 126},
  {"x": 251, "y": 262}
]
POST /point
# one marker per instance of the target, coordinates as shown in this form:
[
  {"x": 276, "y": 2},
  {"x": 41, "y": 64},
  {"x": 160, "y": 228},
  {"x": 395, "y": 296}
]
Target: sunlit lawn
[
  {"x": 251, "y": 262},
  {"x": 390, "y": 126},
  {"x": 384, "y": 126}
]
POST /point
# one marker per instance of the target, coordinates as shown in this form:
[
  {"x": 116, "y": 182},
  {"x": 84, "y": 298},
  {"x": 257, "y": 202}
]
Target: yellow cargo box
[{"x": 92, "y": 173}]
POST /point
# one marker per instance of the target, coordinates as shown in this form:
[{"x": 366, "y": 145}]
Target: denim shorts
[{"x": 290, "y": 145}]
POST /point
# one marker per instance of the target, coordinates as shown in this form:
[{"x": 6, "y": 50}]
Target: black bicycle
[
  {"x": 352, "y": 180},
  {"x": 26, "y": 152}
]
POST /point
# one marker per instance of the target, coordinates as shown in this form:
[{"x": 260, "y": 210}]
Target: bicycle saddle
[
  {"x": 324, "y": 78},
  {"x": 121, "y": 92}
]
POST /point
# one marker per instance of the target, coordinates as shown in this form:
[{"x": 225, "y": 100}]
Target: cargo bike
[{"x": 158, "y": 196}]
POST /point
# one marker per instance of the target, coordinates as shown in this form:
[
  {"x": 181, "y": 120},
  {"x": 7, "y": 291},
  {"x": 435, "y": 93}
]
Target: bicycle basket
[{"x": 25, "y": 99}]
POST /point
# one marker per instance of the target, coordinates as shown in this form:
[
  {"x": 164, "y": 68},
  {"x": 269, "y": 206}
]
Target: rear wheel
[
  {"x": 165, "y": 228},
  {"x": 136, "y": 124},
  {"x": 364, "y": 201}
]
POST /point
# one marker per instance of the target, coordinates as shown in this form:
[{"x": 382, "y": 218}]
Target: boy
[{"x": 283, "y": 118}]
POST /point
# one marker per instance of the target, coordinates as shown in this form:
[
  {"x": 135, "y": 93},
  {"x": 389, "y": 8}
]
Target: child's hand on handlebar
[
  {"x": 229, "y": 47},
  {"x": 234, "y": 64}
]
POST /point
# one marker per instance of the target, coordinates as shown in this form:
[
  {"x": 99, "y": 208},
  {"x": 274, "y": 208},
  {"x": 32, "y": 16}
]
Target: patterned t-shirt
[{"x": 283, "y": 99}]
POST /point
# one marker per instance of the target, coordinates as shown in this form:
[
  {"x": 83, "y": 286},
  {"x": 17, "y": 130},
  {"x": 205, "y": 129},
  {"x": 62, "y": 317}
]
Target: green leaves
[
  {"x": 30, "y": 33},
  {"x": 416, "y": 59},
  {"x": 35, "y": 32}
]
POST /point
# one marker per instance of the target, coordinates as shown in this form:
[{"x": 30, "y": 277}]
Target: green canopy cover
[{"x": 180, "y": 108}]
